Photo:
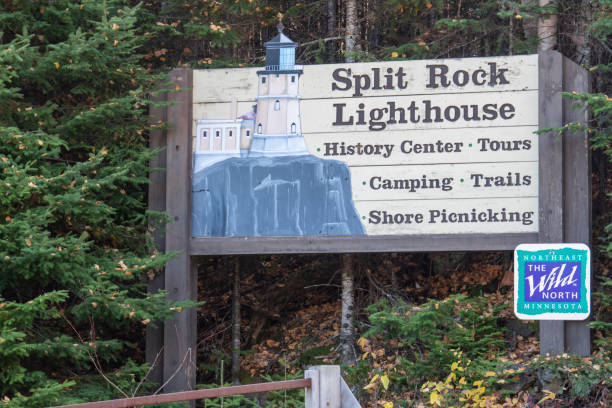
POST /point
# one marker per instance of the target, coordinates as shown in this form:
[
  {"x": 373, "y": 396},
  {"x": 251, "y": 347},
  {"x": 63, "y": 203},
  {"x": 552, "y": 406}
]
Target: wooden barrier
[{"x": 324, "y": 386}]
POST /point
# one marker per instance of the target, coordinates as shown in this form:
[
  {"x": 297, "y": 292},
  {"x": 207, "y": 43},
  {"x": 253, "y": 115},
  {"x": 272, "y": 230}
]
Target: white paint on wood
[
  {"x": 462, "y": 216},
  {"x": 329, "y": 386},
  {"x": 446, "y": 111},
  {"x": 348, "y": 399},
  {"x": 521, "y": 74},
  {"x": 214, "y": 85},
  {"x": 438, "y": 119},
  {"x": 429, "y": 146},
  {"x": 312, "y": 394},
  {"x": 445, "y": 181}
]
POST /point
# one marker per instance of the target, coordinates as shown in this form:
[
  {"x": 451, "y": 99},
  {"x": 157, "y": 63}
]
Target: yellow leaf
[
  {"x": 394, "y": 54},
  {"x": 385, "y": 382},
  {"x": 374, "y": 378},
  {"x": 549, "y": 396},
  {"x": 437, "y": 305},
  {"x": 462, "y": 381},
  {"x": 57, "y": 65},
  {"x": 388, "y": 404},
  {"x": 28, "y": 242},
  {"x": 435, "y": 399},
  {"x": 115, "y": 26},
  {"x": 490, "y": 374},
  {"x": 32, "y": 184},
  {"x": 362, "y": 342}
]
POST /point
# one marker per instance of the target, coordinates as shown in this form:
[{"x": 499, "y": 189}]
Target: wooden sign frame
[{"x": 564, "y": 216}]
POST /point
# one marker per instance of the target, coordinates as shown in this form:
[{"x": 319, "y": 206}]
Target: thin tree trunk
[
  {"x": 331, "y": 18},
  {"x": 348, "y": 275},
  {"x": 581, "y": 35},
  {"x": 348, "y": 305},
  {"x": 547, "y": 28},
  {"x": 331, "y": 28},
  {"x": 236, "y": 323},
  {"x": 352, "y": 31}
]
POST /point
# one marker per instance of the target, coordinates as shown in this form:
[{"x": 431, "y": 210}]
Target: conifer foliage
[{"x": 75, "y": 253}]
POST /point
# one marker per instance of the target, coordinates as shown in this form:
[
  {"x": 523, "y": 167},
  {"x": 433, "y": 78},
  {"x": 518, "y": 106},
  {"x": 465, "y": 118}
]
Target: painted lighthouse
[
  {"x": 278, "y": 131},
  {"x": 273, "y": 128},
  {"x": 253, "y": 174}
]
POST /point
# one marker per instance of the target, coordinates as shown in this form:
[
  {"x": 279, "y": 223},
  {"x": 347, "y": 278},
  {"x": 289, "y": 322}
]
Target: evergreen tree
[{"x": 75, "y": 253}]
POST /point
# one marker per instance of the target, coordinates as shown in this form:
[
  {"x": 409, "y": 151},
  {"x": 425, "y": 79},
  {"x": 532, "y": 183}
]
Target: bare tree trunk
[
  {"x": 352, "y": 31},
  {"x": 348, "y": 305},
  {"x": 236, "y": 323},
  {"x": 547, "y": 28},
  {"x": 331, "y": 18},
  {"x": 581, "y": 35},
  {"x": 331, "y": 28},
  {"x": 348, "y": 275}
]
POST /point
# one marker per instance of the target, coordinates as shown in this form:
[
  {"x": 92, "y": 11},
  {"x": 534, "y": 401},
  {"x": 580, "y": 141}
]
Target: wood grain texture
[
  {"x": 348, "y": 244},
  {"x": 445, "y": 182},
  {"x": 457, "y": 216},
  {"x": 312, "y": 394},
  {"x": 428, "y": 146},
  {"x": 577, "y": 186},
  {"x": 180, "y": 352},
  {"x": 551, "y": 177},
  {"x": 157, "y": 202},
  {"x": 316, "y": 81},
  {"x": 330, "y": 395}
]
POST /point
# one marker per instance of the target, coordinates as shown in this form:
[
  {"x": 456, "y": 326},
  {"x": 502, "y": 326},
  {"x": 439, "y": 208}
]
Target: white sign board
[{"x": 432, "y": 146}]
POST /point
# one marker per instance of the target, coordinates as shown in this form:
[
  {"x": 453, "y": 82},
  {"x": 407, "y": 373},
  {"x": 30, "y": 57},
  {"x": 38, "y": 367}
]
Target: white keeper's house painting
[
  {"x": 394, "y": 147},
  {"x": 254, "y": 175}
]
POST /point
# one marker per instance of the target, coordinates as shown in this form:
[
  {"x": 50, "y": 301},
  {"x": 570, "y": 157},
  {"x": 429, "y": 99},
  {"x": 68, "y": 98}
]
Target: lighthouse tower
[{"x": 278, "y": 131}]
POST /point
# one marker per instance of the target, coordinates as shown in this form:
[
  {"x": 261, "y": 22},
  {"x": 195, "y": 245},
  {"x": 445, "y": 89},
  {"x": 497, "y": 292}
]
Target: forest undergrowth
[
  {"x": 433, "y": 330},
  {"x": 425, "y": 337}
]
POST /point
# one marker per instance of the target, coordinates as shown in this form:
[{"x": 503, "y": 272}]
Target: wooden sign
[
  {"x": 388, "y": 148},
  {"x": 405, "y": 156}
]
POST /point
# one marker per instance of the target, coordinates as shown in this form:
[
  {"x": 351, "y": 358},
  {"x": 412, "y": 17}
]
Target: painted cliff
[{"x": 274, "y": 196}]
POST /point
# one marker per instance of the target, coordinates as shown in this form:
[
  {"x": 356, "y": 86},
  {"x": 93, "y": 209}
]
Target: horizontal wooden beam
[
  {"x": 356, "y": 243},
  {"x": 196, "y": 395}
]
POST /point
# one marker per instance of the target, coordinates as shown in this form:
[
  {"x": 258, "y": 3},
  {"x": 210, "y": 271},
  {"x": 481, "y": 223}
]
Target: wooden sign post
[{"x": 412, "y": 156}]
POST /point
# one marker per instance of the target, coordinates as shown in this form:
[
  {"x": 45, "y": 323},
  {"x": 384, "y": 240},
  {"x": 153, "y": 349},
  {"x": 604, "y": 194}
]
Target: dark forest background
[{"x": 77, "y": 80}]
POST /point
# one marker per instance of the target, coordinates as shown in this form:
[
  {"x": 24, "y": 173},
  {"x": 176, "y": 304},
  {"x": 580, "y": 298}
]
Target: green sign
[{"x": 552, "y": 281}]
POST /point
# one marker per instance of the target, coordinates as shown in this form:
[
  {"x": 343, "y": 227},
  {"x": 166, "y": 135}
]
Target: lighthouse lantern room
[{"x": 278, "y": 130}]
